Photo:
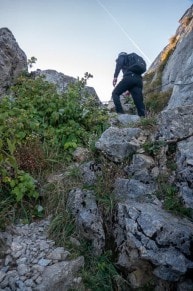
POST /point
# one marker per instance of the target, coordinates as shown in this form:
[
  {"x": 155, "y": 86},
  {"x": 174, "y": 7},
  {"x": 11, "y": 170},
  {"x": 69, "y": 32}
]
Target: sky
[{"x": 78, "y": 36}]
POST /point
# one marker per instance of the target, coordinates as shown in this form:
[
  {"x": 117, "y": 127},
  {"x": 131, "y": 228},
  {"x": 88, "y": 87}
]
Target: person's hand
[{"x": 114, "y": 81}]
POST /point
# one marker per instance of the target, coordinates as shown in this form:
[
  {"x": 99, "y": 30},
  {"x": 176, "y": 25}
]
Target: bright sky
[{"x": 78, "y": 36}]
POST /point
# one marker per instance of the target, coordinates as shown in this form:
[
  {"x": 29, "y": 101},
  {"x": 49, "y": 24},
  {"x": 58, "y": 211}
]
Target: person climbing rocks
[{"x": 132, "y": 81}]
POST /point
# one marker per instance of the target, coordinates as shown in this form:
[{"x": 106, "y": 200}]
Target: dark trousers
[{"x": 134, "y": 84}]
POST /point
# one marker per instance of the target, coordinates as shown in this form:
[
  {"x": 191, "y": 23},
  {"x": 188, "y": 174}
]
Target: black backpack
[{"x": 135, "y": 63}]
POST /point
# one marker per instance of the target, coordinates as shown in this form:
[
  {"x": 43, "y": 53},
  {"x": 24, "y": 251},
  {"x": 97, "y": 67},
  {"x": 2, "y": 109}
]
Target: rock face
[
  {"x": 184, "y": 161},
  {"x": 145, "y": 232},
  {"x": 119, "y": 143},
  {"x": 13, "y": 60},
  {"x": 83, "y": 206},
  {"x": 59, "y": 79},
  {"x": 63, "y": 81},
  {"x": 177, "y": 73},
  {"x": 175, "y": 123}
]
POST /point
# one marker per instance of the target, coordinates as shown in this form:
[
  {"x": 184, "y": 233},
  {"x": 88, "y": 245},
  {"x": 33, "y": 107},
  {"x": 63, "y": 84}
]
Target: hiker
[{"x": 131, "y": 82}]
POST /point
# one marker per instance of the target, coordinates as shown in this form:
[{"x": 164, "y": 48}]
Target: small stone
[
  {"x": 4, "y": 283},
  {"x": 8, "y": 260},
  {"x": 16, "y": 255},
  {"x": 58, "y": 254},
  {"x": 2, "y": 276},
  {"x": 74, "y": 241},
  {"x": 44, "y": 262},
  {"x": 22, "y": 269},
  {"x": 29, "y": 283},
  {"x": 39, "y": 280},
  {"x": 20, "y": 284},
  {"x": 38, "y": 268},
  {"x": 22, "y": 261}
]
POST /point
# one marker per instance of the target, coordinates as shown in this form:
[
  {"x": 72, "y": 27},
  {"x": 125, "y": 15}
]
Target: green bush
[{"x": 39, "y": 126}]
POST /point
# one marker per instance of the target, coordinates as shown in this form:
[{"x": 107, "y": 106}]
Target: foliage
[
  {"x": 147, "y": 123},
  {"x": 155, "y": 98},
  {"x": 31, "y": 61},
  {"x": 99, "y": 272},
  {"x": 157, "y": 101},
  {"x": 171, "y": 200},
  {"x": 186, "y": 21},
  {"x": 153, "y": 148},
  {"x": 39, "y": 127},
  {"x": 169, "y": 49}
]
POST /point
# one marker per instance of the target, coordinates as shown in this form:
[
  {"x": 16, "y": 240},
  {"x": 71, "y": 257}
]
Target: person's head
[{"x": 122, "y": 54}]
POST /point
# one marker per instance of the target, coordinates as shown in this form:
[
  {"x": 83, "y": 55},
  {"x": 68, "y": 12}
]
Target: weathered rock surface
[
  {"x": 184, "y": 162},
  {"x": 82, "y": 204},
  {"x": 119, "y": 143},
  {"x": 145, "y": 232},
  {"x": 176, "y": 123},
  {"x": 62, "y": 82},
  {"x": 177, "y": 73},
  {"x": 13, "y": 60}
]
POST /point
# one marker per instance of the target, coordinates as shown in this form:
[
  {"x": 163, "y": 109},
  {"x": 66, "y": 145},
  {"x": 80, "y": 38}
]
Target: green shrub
[{"x": 39, "y": 126}]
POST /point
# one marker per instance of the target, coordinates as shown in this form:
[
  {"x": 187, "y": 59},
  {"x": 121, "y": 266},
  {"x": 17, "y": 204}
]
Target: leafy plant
[
  {"x": 40, "y": 129},
  {"x": 171, "y": 200},
  {"x": 153, "y": 148}
]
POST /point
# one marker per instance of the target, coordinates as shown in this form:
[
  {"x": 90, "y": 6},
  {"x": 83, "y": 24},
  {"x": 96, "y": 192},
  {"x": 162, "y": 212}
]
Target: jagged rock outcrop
[
  {"x": 119, "y": 143},
  {"x": 63, "y": 81},
  {"x": 178, "y": 55},
  {"x": 83, "y": 206},
  {"x": 175, "y": 123},
  {"x": 145, "y": 232},
  {"x": 184, "y": 171},
  {"x": 13, "y": 60}
]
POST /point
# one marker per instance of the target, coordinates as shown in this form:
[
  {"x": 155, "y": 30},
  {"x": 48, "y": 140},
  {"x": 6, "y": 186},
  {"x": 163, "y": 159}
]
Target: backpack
[{"x": 135, "y": 63}]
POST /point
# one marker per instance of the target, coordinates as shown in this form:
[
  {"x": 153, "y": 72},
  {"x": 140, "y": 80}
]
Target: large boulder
[
  {"x": 151, "y": 241},
  {"x": 83, "y": 206},
  {"x": 118, "y": 143},
  {"x": 176, "y": 123},
  {"x": 13, "y": 60}
]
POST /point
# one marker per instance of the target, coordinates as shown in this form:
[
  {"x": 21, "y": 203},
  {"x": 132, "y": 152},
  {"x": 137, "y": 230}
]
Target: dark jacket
[{"x": 121, "y": 64}]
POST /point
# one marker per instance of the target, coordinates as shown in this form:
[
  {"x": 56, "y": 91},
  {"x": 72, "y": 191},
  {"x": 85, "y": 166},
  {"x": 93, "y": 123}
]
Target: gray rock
[
  {"x": 61, "y": 276},
  {"x": 184, "y": 173},
  {"x": 155, "y": 236},
  {"x": 13, "y": 60},
  {"x": 142, "y": 168},
  {"x": 32, "y": 242},
  {"x": 2, "y": 276},
  {"x": 119, "y": 143},
  {"x": 22, "y": 269},
  {"x": 82, "y": 204},
  {"x": 127, "y": 119},
  {"x": 62, "y": 83},
  {"x": 176, "y": 123},
  {"x": 132, "y": 189},
  {"x": 58, "y": 254}
]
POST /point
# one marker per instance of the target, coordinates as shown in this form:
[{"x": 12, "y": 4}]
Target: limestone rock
[
  {"x": 144, "y": 231},
  {"x": 119, "y": 143},
  {"x": 176, "y": 123},
  {"x": 61, "y": 276},
  {"x": 13, "y": 60},
  {"x": 82, "y": 204}
]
